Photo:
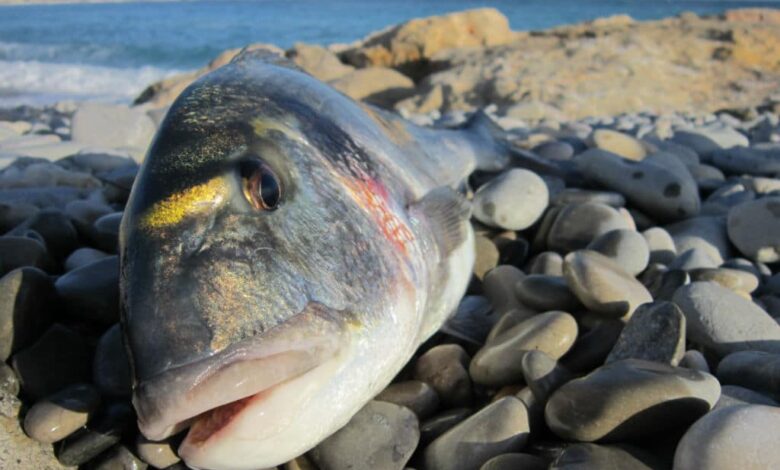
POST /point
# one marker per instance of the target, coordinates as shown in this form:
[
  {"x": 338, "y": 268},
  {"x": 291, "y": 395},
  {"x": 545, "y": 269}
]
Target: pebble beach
[{"x": 624, "y": 309}]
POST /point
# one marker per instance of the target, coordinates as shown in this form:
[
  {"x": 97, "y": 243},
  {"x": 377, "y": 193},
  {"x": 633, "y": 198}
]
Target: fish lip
[{"x": 168, "y": 401}]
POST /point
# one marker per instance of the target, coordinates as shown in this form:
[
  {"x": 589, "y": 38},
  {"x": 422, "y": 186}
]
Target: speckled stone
[
  {"x": 496, "y": 429},
  {"x": 628, "y": 399},
  {"x": 61, "y": 414},
  {"x": 743, "y": 437},
  {"x": 725, "y": 322},
  {"x": 603, "y": 286},
  {"x": 656, "y": 332},
  {"x": 380, "y": 435},
  {"x": 445, "y": 368},
  {"x": 499, "y": 362},
  {"x": 418, "y": 396}
]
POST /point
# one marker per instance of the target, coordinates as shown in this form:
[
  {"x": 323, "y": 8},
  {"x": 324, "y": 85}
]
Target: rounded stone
[
  {"x": 82, "y": 257},
  {"x": 17, "y": 252},
  {"x": 753, "y": 227},
  {"x": 543, "y": 375},
  {"x": 418, "y": 396},
  {"x": 693, "y": 359},
  {"x": 618, "y": 143},
  {"x": 581, "y": 196},
  {"x": 515, "y": 461},
  {"x": 734, "y": 279},
  {"x": 593, "y": 346},
  {"x": 660, "y": 244},
  {"x": 628, "y": 399},
  {"x": 602, "y": 457},
  {"x": 91, "y": 292},
  {"x": 499, "y": 362},
  {"x": 554, "y": 150},
  {"x": 548, "y": 262},
  {"x": 61, "y": 414},
  {"x": 627, "y": 248},
  {"x": 498, "y": 286},
  {"x": 743, "y": 437},
  {"x": 722, "y": 320},
  {"x": 496, "y": 429},
  {"x": 444, "y": 367},
  {"x": 99, "y": 435},
  {"x": 157, "y": 454},
  {"x": 59, "y": 358},
  {"x": 107, "y": 231},
  {"x": 706, "y": 233},
  {"x": 576, "y": 225},
  {"x": 755, "y": 370},
  {"x": 111, "y": 366},
  {"x": 487, "y": 255},
  {"x": 655, "y": 332},
  {"x": 441, "y": 423},
  {"x": 118, "y": 458},
  {"x": 26, "y": 308},
  {"x": 544, "y": 293},
  {"x": 380, "y": 435},
  {"x": 734, "y": 395},
  {"x": 514, "y": 200},
  {"x": 55, "y": 227},
  {"x": 602, "y": 285}
]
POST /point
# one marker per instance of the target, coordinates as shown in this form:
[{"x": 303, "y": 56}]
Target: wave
[{"x": 39, "y": 83}]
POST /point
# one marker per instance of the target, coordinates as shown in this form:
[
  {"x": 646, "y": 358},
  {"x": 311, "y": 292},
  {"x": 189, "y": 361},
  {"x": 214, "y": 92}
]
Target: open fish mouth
[{"x": 209, "y": 394}]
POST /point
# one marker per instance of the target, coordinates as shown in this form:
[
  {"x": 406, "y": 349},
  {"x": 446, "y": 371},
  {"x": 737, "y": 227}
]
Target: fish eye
[{"x": 261, "y": 185}]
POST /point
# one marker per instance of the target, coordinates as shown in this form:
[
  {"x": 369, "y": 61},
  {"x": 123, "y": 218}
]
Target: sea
[{"x": 112, "y": 51}]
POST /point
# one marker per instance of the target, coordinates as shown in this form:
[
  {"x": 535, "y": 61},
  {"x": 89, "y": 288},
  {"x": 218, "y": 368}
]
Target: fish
[{"x": 283, "y": 253}]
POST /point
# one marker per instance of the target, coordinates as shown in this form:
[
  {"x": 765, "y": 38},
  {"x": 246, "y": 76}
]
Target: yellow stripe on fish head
[{"x": 190, "y": 201}]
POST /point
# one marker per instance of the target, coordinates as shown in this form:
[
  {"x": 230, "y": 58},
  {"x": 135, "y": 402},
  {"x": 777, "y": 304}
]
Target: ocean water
[{"x": 110, "y": 52}]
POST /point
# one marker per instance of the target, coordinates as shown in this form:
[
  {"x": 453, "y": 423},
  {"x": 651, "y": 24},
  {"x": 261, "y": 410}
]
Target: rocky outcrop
[{"x": 469, "y": 60}]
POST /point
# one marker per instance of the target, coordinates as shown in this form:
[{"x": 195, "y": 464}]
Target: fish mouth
[{"x": 209, "y": 394}]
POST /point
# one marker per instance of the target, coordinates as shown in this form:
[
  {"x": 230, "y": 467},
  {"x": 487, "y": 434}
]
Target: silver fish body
[{"x": 264, "y": 329}]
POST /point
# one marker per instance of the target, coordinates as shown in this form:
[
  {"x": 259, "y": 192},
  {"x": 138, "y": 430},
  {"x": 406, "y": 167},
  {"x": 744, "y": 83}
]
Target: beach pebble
[
  {"x": 549, "y": 263},
  {"x": 659, "y": 185},
  {"x": 707, "y": 233},
  {"x": 602, "y": 457},
  {"x": 734, "y": 395},
  {"x": 693, "y": 259},
  {"x": 753, "y": 227},
  {"x": 158, "y": 454},
  {"x": 59, "y": 358},
  {"x": 380, "y": 435},
  {"x": 445, "y": 368},
  {"x": 554, "y": 150},
  {"x": 441, "y": 423},
  {"x": 55, "y": 227},
  {"x": 742, "y": 437},
  {"x": 18, "y": 252},
  {"x": 91, "y": 292},
  {"x": 734, "y": 279},
  {"x": 628, "y": 399},
  {"x": 601, "y": 285},
  {"x": 544, "y": 293},
  {"x": 660, "y": 244},
  {"x": 515, "y": 461},
  {"x": 513, "y": 200},
  {"x": 111, "y": 366},
  {"x": 486, "y": 255},
  {"x": 707, "y": 177},
  {"x": 621, "y": 144},
  {"x": 499, "y": 362},
  {"x": 26, "y": 308},
  {"x": 576, "y": 225},
  {"x": 627, "y": 248},
  {"x": 725, "y": 322},
  {"x": 593, "y": 345},
  {"x": 508, "y": 321},
  {"x": 418, "y": 396},
  {"x": 99, "y": 435},
  {"x": 655, "y": 332},
  {"x": 498, "y": 286},
  {"x": 756, "y": 370},
  {"x": 706, "y": 140},
  {"x": 107, "y": 231},
  {"x": 118, "y": 457},
  {"x": 741, "y": 160},
  {"x": 9, "y": 383},
  {"x": 59, "y": 415},
  {"x": 581, "y": 196},
  {"x": 496, "y": 429},
  {"x": 82, "y": 257},
  {"x": 693, "y": 359},
  {"x": 543, "y": 374}
]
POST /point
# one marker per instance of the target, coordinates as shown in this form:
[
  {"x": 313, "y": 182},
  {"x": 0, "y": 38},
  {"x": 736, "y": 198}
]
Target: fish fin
[
  {"x": 448, "y": 213},
  {"x": 496, "y": 154},
  {"x": 267, "y": 56}
]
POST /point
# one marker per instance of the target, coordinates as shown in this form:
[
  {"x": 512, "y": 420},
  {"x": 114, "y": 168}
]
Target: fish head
[{"x": 254, "y": 281}]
